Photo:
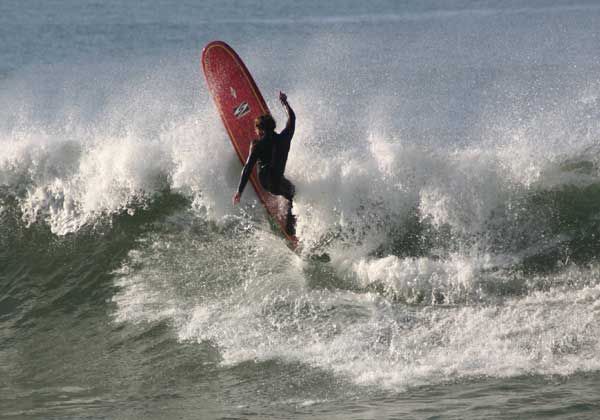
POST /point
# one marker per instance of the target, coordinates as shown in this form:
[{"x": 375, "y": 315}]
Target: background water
[{"x": 447, "y": 165}]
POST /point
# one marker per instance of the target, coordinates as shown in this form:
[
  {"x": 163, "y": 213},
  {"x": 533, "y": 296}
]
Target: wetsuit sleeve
[
  {"x": 252, "y": 158},
  {"x": 288, "y": 131}
]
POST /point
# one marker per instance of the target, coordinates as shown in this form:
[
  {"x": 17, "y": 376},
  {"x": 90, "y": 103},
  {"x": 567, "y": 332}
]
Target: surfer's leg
[{"x": 287, "y": 189}]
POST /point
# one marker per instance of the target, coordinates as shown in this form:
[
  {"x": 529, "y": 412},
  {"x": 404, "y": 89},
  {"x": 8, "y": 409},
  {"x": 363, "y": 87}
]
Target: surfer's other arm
[
  {"x": 290, "y": 126},
  {"x": 252, "y": 158}
]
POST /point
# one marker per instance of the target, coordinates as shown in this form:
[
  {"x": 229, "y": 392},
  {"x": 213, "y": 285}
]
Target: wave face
[{"x": 448, "y": 181}]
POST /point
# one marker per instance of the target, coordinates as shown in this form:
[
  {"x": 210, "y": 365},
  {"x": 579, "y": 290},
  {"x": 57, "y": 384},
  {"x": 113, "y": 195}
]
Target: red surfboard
[{"x": 239, "y": 102}]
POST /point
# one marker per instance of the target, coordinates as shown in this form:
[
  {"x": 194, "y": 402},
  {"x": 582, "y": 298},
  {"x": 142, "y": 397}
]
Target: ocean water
[{"x": 447, "y": 165}]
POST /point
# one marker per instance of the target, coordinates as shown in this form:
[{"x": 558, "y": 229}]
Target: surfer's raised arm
[{"x": 288, "y": 131}]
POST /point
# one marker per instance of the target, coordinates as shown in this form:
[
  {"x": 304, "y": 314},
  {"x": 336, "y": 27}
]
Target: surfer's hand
[
  {"x": 282, "y": 97},
  {"x": 236, "y": 198}
]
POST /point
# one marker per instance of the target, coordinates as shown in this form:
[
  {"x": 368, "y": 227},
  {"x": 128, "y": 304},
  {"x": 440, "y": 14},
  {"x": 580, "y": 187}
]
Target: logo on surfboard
[{"x": 241, "y": 110}]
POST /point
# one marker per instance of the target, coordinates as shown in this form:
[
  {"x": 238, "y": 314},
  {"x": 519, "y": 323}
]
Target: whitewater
[{"x": 447, "y": 169}]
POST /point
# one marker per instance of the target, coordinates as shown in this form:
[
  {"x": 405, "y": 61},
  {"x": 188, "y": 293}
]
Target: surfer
[{"x": 271, "y": 150}]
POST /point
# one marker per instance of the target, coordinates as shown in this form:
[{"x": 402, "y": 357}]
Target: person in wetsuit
[{"x": 271, "y": 150}]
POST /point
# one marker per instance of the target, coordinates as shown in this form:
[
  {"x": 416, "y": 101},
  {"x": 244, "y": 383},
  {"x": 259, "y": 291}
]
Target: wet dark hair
[{"x": 265, "y": 123}]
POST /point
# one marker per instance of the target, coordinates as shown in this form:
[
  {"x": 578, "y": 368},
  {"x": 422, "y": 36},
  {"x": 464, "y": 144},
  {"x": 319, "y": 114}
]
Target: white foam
[
  {"x": 261, "y": 308},
  {"x": 83, "y": 163}
]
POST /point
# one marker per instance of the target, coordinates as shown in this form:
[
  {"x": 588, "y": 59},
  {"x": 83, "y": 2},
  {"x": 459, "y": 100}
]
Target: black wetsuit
[{"x": 271, "y": 153}]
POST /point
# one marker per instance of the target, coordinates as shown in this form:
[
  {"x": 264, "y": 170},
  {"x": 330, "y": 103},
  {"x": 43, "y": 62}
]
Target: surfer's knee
[{"x": 287, "y": 189}]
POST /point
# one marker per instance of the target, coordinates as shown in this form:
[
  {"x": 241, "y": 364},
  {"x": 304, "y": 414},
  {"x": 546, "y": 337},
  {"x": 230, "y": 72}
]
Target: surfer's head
[{"x": 264, "y": 124}]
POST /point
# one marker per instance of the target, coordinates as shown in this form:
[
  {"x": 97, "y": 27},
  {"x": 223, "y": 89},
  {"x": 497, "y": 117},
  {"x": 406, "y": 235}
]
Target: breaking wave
[{"x": 421, "y": 253}]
